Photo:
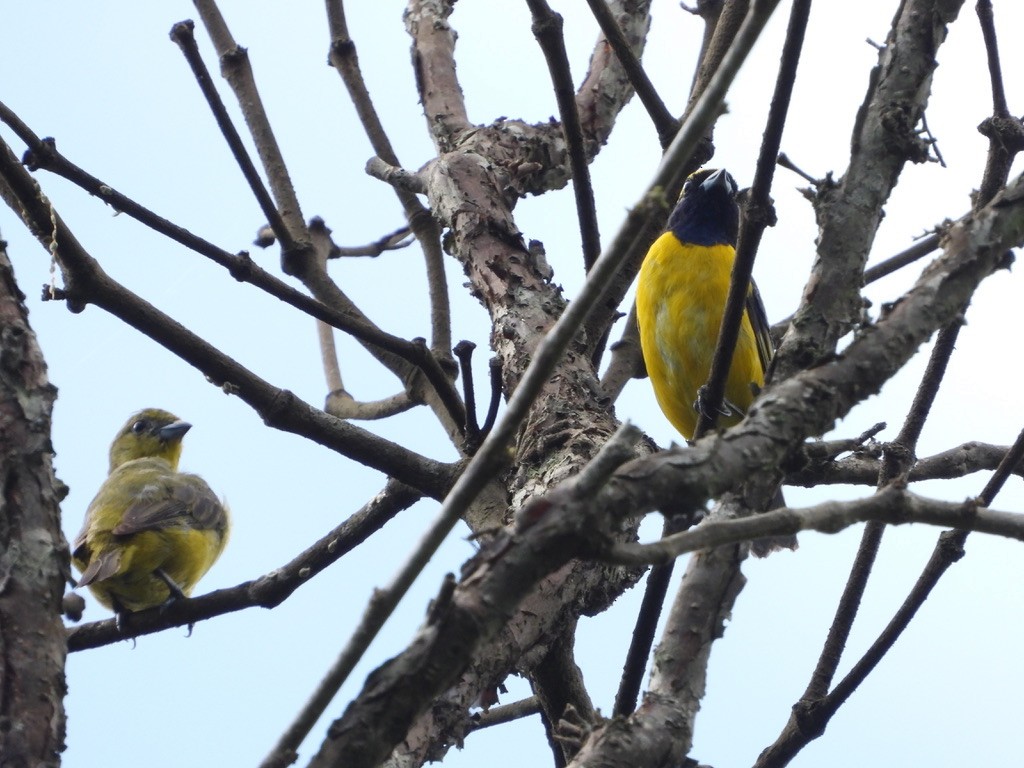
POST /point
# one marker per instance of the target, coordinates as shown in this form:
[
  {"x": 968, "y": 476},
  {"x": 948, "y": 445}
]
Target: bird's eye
[
  {"x": 139, "y": 426},
  {"x": 687, "y": 186}
]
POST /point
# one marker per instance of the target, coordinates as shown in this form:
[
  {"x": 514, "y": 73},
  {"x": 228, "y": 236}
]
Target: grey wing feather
[{"x": 188, "y": 500}]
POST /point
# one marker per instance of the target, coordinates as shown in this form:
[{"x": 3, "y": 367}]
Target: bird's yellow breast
[
  {"x": 680, "y": 300},
  {"x": 122, "y": 568}
]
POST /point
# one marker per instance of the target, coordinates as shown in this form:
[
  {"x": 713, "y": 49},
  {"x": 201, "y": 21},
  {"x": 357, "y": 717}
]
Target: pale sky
[{"x": 105, "y": 80}]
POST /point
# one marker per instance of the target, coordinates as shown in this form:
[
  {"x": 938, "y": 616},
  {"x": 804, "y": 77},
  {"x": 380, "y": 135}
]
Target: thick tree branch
[
  {"x": 462, "y": 619},
  {"x": 849, "y": 211},
  {"x": 33, "y": 553}
]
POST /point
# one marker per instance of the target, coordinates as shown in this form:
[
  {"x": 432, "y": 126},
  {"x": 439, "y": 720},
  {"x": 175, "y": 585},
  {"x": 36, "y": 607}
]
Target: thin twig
[
  {"x": 892, "y": 505},
  {"x": 986, "y": 21},
  {"x": 494, "y": 367},
  {"x": 860, "y": 469},
  {"x": 664, "y": 123},
  {"x": 918, "y": 250},
  {"x": 464, "y": 354},
  {"x": 504, "y": 714},
  {"x": 344, "y": 58},
  {"x": 757, "y": 216},
  {"x": 547, "y": 28},
  {"x": 182, "y": 35},
  {"x": 658, "y": 580}
]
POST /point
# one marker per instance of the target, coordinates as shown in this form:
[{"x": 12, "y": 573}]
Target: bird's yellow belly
[
  {"x": 184, "y": 554},
  {"x": 680, "y": 299}
]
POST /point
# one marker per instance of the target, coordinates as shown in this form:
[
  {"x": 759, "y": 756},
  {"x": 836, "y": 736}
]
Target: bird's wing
[
  {"x": 101, "y": 567},
  {"x": 81, "y": 540},
  {"x": 759, "y": 322},
  {"x": 173, "y": 501}
]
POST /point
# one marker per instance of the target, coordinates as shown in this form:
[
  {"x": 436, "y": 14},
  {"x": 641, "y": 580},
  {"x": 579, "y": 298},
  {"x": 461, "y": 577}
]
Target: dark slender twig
[
  {"x": 1008, "y": 466},
  {"x": 494, "y": 366},
  {"x": 182, "y": 35},
  {"x": 658, "y": 580},
  {"x": 784, "y": 161},
  {"x": 918, "y": 250},
  {"x": 987, "y": 23},
  {"x": 758, "y": 214},
  {"x": 464, "y": 354},
  {"x": 926, "y": 245},
  {"x": 547, "y": 28},
  {"x": 664, "y": 123},
  {"x": 266, "y": 591},
  {"x": 393, "y": 241}
]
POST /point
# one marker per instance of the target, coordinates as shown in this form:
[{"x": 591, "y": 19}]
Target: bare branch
[
  {"x": 862, "y": 468},
  {"x": 664, "y": 123},
  {"x": 547, "y": 28},
  {"x": 235, "y": 67},
  {"x": 344, "y": 59},
  {"x": 849, "y": 211},
  {"x": 86, "y": 281},
  {"x": 182, "y": 35},
  {"x": 504, "y": 714},
  {"x": 891, "y": 505}
]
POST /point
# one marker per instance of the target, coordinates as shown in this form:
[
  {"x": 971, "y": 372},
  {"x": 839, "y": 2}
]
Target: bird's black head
[{"x": 706, "y": 213}]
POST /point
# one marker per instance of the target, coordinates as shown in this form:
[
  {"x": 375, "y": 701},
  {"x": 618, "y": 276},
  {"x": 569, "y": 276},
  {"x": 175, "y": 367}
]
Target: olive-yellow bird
[
  {"x": 680, "y": 299},
  {"x": 151, "y": 532}
]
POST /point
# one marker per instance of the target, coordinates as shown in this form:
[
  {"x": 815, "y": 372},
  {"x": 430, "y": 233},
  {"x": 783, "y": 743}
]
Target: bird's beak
[
  {"x": 718, "y": 180},
  {"x": 174, "y": 431}
]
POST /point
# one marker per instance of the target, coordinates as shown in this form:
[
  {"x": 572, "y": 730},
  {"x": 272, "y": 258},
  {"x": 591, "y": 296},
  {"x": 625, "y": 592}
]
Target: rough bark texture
[{"x": 33, "y": 553}]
